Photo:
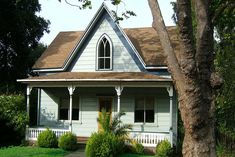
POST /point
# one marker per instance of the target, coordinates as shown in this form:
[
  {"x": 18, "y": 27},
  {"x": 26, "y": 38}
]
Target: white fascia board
[
  {"x": 48, "y": 70},
  {"x": 158, "y": 68}
]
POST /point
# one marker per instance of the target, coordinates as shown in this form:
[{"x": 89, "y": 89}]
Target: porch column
[
  {"x": 71, "y": 90},
  {"x": 28, "y": 91},
  {"x": 170, "y": 92},
  {"x": 119, "y": 92}
]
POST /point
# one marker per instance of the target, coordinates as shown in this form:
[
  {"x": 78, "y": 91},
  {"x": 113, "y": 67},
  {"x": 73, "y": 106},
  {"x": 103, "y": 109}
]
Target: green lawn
[
  {"x": 32, "y": 152},
  {"x": 135, "y": 155}
]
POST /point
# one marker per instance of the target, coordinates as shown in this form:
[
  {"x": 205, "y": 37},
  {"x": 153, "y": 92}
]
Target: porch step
[{"x": 82, "y": 140}]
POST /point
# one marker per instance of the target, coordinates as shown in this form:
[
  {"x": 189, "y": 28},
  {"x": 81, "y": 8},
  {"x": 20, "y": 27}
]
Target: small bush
[
  {"x": 164, "y": 149},
  {"x": 103, "y": 144},
  {"x": 68, "y": 141},
  {"x": 138, "y": 148},
  {"x": 47, "y": 139}
]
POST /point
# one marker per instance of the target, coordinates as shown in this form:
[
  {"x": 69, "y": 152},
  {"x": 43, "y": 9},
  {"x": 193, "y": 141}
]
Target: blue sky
[{"x": 64, "y": 17}]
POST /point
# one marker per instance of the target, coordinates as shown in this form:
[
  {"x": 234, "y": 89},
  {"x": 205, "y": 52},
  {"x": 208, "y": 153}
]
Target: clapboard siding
[
  {"x": 49, "y": 109},
  {"x": 86, "y": 57}
]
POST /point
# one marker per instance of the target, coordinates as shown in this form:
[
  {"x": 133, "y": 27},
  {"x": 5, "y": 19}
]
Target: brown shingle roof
[
  {"x": 59, "y": 50},
  {"x": 97, "y": 76},
  {"x": 145, "y": 40},
  {"x": 147, "y": 43}
]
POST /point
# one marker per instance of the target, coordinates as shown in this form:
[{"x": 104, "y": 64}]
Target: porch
[
  {"x": 148, "y": 139},
  {"x": 74, "y": 105}
]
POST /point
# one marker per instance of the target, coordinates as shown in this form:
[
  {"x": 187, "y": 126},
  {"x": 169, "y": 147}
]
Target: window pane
[
  {"x": 139, "y": 103},
  {"x": 107, "y": 49},
  {"x": 75, "y": 114},
  {"x": 107, "y": 63},
  {"x": 101, "y": 49},
  {"x": 149, "y": 103},
  {"x": 64, "y": 114},
  {"x": 139, "y": 115},
  {"x": 149, "y": 116},
  {"x": 101, "y": 63}
]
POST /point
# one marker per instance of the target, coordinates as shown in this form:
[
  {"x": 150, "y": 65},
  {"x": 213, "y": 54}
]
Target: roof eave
[{"x": 94, "y": 80}]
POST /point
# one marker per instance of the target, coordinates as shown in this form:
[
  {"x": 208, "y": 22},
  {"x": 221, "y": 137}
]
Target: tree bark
[{"x": 191, "y": 74}]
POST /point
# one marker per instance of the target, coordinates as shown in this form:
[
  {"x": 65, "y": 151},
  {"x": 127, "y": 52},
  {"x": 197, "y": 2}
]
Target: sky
[{"x": 64, "y": 17}]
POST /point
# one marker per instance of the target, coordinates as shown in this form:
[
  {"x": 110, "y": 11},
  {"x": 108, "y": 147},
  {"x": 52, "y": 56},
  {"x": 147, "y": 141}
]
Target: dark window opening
[{"x": 144, "y": 110}]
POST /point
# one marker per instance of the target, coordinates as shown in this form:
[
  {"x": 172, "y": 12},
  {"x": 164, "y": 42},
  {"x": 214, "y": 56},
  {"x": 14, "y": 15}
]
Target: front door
[{"x": 105, "y": 103}]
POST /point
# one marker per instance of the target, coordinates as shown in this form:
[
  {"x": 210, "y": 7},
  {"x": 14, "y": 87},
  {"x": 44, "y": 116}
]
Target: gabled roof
[{"x": 145, "y": 43}]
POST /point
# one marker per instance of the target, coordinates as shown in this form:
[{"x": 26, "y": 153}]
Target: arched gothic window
[{"x": 104, "y": 58}]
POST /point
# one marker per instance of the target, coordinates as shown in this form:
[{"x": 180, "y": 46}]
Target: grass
[
  {"x": 135, "y": 155},
  {"x": 32, "y": 152}
]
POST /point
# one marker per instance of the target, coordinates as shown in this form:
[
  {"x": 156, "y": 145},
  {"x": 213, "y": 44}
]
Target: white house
[{"x": 108, "y": 67}]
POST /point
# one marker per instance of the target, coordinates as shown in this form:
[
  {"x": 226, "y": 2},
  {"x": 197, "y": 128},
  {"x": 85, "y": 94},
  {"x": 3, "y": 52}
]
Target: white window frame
[
  {"x": 97, "y": 53},
  {"x": 79, "y": 107},
  {"x": 145, "y": 98}
]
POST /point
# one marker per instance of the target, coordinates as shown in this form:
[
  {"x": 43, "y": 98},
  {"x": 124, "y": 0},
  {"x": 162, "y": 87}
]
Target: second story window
[{"x": 104, "y": 57}]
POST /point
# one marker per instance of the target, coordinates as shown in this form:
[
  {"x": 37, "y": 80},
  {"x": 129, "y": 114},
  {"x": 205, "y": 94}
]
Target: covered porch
[{"x": 84, "y": 102}]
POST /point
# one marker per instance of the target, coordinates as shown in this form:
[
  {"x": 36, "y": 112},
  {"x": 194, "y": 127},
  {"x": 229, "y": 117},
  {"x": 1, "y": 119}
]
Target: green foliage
[
  {"x": 222, "y": 151},
  {"x": 31, "y": 152},
  {"x": 164, "y": 149},
  {"x": 20, "y": 31},
  {"x": 104, "y": 144},
  {"x": 12, "y": 110},
  {"x": 137, "y": 148},
  {"x": 115, "y": 125},
  {"x": 134, "y": 155},
  {"x": 47, "y": 139},
  {"x": 68, "y": 141}
]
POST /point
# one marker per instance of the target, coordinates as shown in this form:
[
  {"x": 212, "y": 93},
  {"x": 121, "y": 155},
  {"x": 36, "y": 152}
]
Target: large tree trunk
[{"x": 191, "y": 74}]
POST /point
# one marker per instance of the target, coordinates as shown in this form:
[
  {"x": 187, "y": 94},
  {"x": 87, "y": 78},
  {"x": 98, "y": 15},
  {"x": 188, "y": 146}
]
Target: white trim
[{"x": 159, "y": 68}]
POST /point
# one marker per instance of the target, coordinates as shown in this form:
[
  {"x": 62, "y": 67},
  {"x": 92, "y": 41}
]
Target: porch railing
[
  {"x": 149, "y": 139},
  {"x": 32, "y": 133}
]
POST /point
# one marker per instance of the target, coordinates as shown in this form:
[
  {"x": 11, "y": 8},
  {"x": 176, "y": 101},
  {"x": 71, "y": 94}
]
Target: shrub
[
  {"x": 164, "y": 149},
  {"x": 138, "y": 148},
  {"x": 103, "y": 144},
  {"x": 68, "y": 141},
  {"x": 47, "y": 139}
]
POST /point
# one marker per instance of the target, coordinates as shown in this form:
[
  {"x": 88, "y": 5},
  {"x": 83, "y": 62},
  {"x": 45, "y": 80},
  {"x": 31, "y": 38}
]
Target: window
[
  {"x": 144, "y": 110},
  {"x": 104, "y": 58},
  {"x": 64, "y": 109}
]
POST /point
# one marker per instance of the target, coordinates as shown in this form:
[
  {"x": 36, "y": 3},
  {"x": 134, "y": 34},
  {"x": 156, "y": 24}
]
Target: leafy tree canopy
[{"x": 20, "y": 31}]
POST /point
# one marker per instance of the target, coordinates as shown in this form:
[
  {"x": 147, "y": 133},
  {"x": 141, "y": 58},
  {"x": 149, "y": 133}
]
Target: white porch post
[
  {"x": 119, "y": 92},
  {"x": 28, "y": 91},
  {"x": 71, "y": 90},
  {"x": 170, "y": 92}
]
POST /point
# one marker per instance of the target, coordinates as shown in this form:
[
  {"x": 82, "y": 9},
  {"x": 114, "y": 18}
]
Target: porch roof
[{"x": 96, "y": 77}]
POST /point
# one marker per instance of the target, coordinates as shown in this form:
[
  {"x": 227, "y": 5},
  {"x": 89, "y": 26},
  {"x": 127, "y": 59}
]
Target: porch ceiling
[{"x": 97, "y": 77}]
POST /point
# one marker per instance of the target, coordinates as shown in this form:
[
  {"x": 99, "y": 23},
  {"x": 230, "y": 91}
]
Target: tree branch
[
  {"x": 187, "y": 62},
  {"x": 204, "y": 51},
  {"x": 159, "y": 26}
]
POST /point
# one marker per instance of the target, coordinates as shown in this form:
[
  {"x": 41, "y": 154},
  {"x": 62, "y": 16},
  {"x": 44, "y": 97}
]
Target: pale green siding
[
  {"x": 121, "y": 57},
  {"x": 48, "y": 108}
]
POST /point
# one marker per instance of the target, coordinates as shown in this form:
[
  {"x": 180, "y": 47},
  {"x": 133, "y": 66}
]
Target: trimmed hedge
[
  {"x": 68, "y": 141},
  {"x": 47, "y": 139},
  {"x": 164, "y": 149},
  {"x": 103, "y": 144}
]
